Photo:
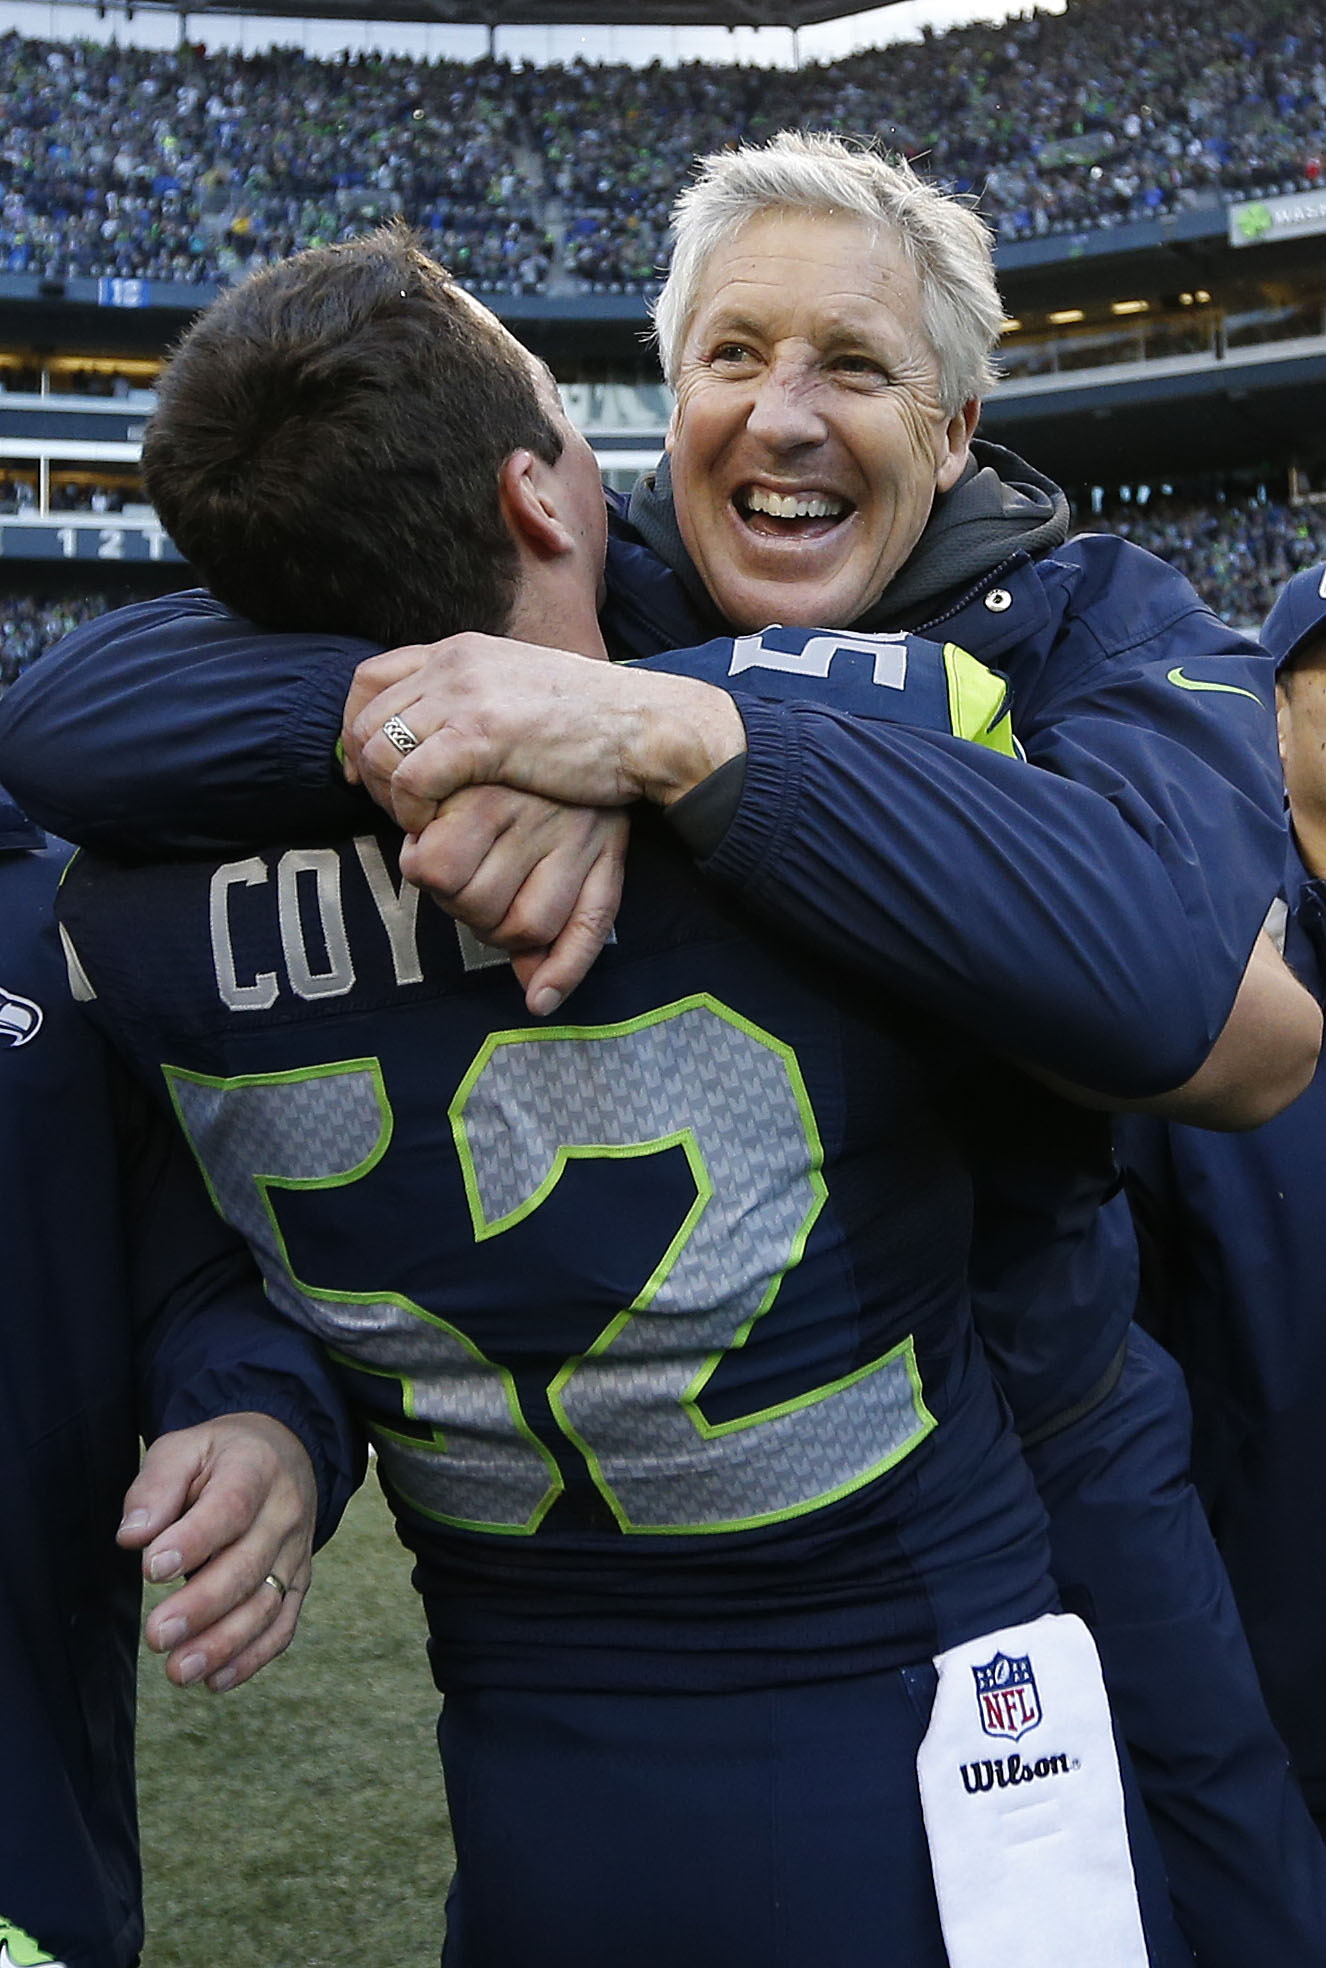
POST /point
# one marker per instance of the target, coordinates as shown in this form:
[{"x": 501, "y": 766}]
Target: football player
[{"x": 659, "y": 1318}]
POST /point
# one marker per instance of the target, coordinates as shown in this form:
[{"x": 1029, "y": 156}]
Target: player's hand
[
  {"x": 484, "y": 710},
  {"x": 531, "y": 876},
  {"x": 224, "y": 1505}
]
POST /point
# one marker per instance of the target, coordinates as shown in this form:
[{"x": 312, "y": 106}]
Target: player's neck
[{"x": 557, "y": 614}]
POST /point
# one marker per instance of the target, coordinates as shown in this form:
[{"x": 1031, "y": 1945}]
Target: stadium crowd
[
  {"x": 1238, "y": 554},
  {"x": 33, "y": 623},
  {"x": 188, "y": 166}
]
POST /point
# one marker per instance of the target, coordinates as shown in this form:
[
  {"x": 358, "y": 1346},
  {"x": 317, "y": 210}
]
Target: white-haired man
[
  {"x": 826, "y": 327},
  {"x": 1151, "y": 842}
]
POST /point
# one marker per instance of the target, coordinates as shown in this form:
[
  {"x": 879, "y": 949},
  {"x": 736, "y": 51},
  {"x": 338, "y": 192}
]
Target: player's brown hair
[{"x": 326, "y": 445}]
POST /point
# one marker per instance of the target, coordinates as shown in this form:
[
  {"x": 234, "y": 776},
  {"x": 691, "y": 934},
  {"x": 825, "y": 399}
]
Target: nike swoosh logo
[{"x": 1228, "y": 689}]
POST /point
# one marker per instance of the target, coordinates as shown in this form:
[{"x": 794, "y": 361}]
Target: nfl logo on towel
[{"x": 1006, "y": 1696}]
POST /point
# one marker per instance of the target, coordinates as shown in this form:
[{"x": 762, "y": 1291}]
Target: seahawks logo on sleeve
[
  {"x": 901, "y": 679},
  {"x": 20, "y": 1020}
]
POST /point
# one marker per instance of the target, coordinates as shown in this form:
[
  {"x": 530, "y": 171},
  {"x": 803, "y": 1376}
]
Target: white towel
[{"x": 1024, "y": 1807}]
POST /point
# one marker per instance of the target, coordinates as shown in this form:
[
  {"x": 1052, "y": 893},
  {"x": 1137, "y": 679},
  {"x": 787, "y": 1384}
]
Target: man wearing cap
[{"x": 1234, "y": 1234}]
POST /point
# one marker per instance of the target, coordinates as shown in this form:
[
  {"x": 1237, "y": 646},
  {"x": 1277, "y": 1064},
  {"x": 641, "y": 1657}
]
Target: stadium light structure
[{"x": 788, "y": 14}]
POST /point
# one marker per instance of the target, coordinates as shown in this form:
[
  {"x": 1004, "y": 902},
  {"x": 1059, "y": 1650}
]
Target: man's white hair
[{"x": 803, "y": 171}]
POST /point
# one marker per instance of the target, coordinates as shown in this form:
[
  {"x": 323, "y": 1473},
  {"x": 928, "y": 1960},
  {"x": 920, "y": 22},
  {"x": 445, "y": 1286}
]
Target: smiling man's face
[{"x": 808, "y": 439}]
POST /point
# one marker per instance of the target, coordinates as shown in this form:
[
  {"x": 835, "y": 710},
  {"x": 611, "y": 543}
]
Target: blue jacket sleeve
[
  {"x": 1092, "y": 916},
  {"x": 174, "y": 723},
  {"x": 1034, "y": 914},
  {"x": 207, "y": 1341}
]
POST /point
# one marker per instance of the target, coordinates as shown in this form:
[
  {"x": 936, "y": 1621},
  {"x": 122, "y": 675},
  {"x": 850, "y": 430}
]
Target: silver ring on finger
[
  {"x": 398, "y": 732},
  {"x": 280, "y": 1584}
]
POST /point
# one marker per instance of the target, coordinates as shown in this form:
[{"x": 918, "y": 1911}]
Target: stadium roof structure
[{"x": 494, "y": 14}]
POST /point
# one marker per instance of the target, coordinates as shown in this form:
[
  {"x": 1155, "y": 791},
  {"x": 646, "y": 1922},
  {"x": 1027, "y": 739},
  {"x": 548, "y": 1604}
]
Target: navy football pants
[
  {"x": 774, "y": 1829},
  {"x": 1132, "y": 1553}
]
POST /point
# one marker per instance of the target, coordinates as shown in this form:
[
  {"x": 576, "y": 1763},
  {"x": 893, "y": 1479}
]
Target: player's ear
[
  {"x": 527, "y": 495},
  {"x": 1282, "y": 719}
]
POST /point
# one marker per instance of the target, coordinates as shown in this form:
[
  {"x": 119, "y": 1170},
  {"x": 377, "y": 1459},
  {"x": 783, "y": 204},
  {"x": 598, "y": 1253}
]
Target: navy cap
[{"x": 1299, "y": 613}]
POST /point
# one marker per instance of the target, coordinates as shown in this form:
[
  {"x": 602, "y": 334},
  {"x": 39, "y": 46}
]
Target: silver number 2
[{"x": 693, "y": 1075}]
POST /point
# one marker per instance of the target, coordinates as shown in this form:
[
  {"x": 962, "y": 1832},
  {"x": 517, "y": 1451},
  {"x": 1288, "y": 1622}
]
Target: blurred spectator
[
  {"x": 16, "y": 495},
  {"x": 74, "y": 495}
]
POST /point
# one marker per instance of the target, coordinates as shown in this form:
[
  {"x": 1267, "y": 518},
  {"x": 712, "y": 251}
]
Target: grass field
[{"x": 300, "y": 1822}]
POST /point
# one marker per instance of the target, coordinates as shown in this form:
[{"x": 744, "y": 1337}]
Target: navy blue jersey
[{"x": 658, "y": 1317}]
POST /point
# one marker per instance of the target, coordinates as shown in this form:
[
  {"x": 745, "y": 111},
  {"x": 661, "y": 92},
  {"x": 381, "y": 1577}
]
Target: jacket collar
[{"x": 1001, "y": 609}]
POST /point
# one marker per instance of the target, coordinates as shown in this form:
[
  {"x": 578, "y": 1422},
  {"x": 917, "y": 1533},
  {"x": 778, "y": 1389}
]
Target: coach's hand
[
  {"x": 229, "y": 1505},
  {"x": 522, "y": 751},
  {"x": 540, "y": 879},
  {"x": 484, "y": 710},
  {"x": 536, "y": 878}
]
